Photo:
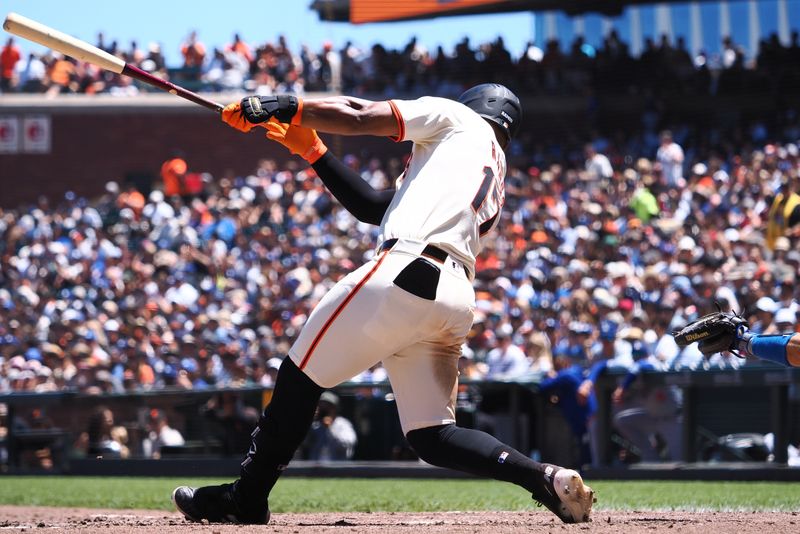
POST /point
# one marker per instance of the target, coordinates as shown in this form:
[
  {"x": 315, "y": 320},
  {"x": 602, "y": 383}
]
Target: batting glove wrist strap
[
  {"x": 315, "y": 151},
  {"x": 258, "y": 109}
]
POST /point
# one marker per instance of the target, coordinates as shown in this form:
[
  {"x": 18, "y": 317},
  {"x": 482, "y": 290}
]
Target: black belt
[{"x": 429, "y": 251}]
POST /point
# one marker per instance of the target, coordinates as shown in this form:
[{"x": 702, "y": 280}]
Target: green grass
[{"x": 360, "y": 495}]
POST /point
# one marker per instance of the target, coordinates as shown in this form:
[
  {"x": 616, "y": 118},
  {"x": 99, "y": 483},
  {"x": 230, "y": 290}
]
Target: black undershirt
[{"x": 366, "y": 203}]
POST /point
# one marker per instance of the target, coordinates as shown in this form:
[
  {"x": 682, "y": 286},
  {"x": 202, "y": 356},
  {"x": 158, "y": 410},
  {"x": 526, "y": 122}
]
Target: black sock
[
  {"x": 477, "y": 453},
  {"x": 281, "y": 429}
]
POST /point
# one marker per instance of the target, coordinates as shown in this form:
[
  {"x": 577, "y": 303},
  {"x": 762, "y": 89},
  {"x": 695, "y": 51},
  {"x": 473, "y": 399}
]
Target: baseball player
[
  {"x": 726, "y": 331},
  {"x": 410, "y": 306}
]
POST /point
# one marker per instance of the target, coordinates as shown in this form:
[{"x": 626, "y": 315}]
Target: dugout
[{"x": 753, "y": 400}]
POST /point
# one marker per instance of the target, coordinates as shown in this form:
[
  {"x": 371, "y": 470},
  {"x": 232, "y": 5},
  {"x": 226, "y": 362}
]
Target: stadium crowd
[
  {"x": 598, "y": 255},
  {"x": 662, "y": 68}
]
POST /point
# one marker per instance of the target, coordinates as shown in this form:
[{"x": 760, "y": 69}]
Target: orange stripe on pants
[{"x": 338, "y": 310}]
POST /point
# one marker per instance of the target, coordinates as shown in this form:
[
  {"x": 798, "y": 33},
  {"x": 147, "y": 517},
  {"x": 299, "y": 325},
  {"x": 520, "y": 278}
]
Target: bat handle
[{"x": 146, "y": 77}]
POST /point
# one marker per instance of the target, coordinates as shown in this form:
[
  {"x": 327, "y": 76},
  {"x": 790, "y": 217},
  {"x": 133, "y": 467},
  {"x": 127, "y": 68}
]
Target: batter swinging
[{"x": 409, "y": 307}]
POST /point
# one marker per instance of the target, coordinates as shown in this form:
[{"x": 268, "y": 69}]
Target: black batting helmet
[{"x": 495, "y": 103}]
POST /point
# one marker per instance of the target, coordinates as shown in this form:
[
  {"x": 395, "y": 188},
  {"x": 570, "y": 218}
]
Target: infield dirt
[{"x": 43, "y": 519}]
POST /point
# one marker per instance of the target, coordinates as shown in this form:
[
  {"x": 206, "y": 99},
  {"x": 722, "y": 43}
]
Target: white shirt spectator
[
  {"x": 506, "y": 361},
  {"x": 670, "y": 156},
  {"x": 598, "y": 166}
]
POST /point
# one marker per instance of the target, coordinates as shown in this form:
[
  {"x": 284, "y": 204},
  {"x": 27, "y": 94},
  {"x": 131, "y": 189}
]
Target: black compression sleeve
[{"x": 356, "y": 195}]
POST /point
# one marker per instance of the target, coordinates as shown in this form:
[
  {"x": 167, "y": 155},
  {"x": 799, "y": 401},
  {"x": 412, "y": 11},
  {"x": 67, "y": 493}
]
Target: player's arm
[
  {"x": 344, "y": 115},
  {"x": 366, "y": 203},
  {"x": 783, "y": 349}
]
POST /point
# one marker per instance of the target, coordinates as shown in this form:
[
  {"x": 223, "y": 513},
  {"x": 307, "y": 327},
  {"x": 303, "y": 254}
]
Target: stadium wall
[{"x": 94, "y": 139}]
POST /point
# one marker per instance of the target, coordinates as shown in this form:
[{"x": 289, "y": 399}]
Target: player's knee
[{"x": 427, "y": 442}]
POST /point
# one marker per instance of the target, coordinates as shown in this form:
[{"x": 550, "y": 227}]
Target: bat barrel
[{"x": 61, "y": 42}]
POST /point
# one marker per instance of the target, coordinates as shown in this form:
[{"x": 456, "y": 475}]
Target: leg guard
[{"x": 281, "y": 429}]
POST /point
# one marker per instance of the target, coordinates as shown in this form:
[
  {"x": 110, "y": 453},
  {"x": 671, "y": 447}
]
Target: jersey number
[{"x": 488, "y": 201}]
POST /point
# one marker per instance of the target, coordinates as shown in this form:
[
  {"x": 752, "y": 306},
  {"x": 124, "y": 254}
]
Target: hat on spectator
[
  {"x": 72, "y": 315},
  {"x": 686, "y": 243},
  {"x": 766, "y": 304},
  {"x": 782, "y": 243},
  {"x": 329, "y": 397},
  {"x": 608, "y": 330},
  {"x": 274, "y": 363},
  {"x": 580, "y": 328},
  {"x": 732, "y": 235},
  {"x": 112, "y": 325},
  {"x": 504, "y": 331},
  {"x": 604, "y": 298},
  {"x": 633, "y": 333},
  {"x": 785, "y": 316},
  {"x": 33, "y": 353}
]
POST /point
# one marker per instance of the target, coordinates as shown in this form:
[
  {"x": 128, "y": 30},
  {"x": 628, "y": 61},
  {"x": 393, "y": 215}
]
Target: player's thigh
[
  {"x": 424, "y": 380},
  {"x": 361, "y": 321}
]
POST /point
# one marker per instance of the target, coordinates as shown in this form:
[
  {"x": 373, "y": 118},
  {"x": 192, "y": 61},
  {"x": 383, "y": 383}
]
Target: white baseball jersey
[
  {"x": 451, "y": 192},
  {"x": 449, "y": 196}
]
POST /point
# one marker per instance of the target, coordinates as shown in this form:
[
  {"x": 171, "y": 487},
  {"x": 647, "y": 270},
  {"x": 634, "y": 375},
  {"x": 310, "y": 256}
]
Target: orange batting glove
[
  {"x": 232, "y": 115},
  {"x": 301, "y": 141}
]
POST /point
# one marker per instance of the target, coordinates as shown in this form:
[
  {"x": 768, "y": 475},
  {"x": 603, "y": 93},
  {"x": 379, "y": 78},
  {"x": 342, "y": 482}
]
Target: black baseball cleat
[
  {"x": 216, "y": 504},
  {"x": 566, "y": 495}
]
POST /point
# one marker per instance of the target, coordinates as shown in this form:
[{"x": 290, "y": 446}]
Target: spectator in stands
[
  {"x": 784, "y": 213},
  {"x": 30, "y": 74},
  {"x": 159, "y": 434},
  {"x": 597, "y": 165},
  {"x": 194, "y": 55},
  {"x": 331, "y": 436},
  {"x": 240, "y": 47},
  {"x": 103, "y": 439},
  {"x": 670, "y": 157},
  {"x": 785, "y": 321},
  {"x": 9, "y": 56},
  {"x": 61, "y": 74},
  {"x": 506, "y": 360},
  {"x": 662, "y": 70},
  {"x": 173, "y": 172}
]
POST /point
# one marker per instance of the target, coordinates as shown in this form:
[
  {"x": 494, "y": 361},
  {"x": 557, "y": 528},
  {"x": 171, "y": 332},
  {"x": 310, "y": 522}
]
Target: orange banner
[{"x": 383, "y": 10}]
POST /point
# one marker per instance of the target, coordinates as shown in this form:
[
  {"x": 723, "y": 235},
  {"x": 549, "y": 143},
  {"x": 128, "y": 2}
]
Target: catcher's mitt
[{"x": 715, "y": 332}]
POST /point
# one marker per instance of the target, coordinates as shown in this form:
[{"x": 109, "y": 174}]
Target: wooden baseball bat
[{"x": 70, "y": 46}]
